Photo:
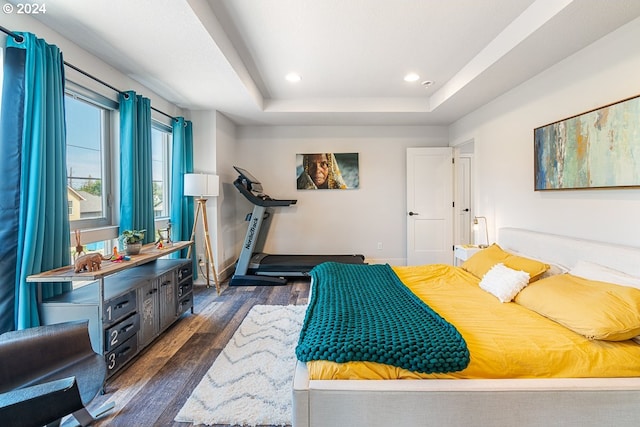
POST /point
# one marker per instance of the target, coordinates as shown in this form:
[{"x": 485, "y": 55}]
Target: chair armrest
[{"x": 40, "y": 404}]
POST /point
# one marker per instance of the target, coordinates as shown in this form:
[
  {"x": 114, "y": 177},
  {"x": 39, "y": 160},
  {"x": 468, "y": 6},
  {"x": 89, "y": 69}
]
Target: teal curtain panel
[
  {"x": 34, "y": 222},
  {"x": 136, "y": 179},
  {"x": 182, "y": 210}
]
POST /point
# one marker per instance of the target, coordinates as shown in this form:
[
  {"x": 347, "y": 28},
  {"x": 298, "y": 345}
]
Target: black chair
[{"x": 49, "y": 372}]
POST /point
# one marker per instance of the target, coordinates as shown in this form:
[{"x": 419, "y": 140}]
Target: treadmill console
[
  {"x": 251, "y": 188},
  {"x": 251, "y": 181}
]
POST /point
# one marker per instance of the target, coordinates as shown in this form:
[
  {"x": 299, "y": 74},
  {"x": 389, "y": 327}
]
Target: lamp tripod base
[{"x": 208, "y": 253}]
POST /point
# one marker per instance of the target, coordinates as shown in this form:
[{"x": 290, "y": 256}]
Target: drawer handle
[
  {"x": 168, "y": 282},
  {"x": 124, "y": 351},
  {"x": 152, "y": 291},
  {"x": 127, "y": 328},
  {"x": 122, "y": 304}
]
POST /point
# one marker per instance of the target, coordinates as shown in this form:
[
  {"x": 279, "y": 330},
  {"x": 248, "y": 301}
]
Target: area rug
[{"x": 249, "y": 383}]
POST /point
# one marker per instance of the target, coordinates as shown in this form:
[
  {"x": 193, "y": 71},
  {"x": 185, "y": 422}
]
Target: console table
[{"x": 128, "y": 303}]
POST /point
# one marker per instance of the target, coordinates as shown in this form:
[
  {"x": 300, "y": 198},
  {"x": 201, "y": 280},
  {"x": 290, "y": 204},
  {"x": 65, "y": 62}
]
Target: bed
[{"x": 497, "y": 401}]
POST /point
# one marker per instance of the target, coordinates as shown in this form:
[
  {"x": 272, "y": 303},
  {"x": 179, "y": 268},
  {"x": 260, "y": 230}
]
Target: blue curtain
[
  {"x": 136, "y": 179},
  {"x": 34, "y": 221},
  {"x": 182, "y": 212}
]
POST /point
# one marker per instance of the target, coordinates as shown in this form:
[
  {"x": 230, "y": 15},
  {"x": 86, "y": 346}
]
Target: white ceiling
[{"x": 232, "y": 55}]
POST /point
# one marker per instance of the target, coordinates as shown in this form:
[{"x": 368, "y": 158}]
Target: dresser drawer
[
  {"x": 121, "y": 331},
  {"x": 119, "y": 307},
  {"x": 185, "y": 271},
  {"x": 117, "y": 357},
  {"x": 185, "y": 303},
  {"x": 184, "y": 288}
]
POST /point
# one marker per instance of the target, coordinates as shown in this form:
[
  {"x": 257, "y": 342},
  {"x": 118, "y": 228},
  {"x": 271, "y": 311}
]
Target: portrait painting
[{"x": 327, "y": 171}]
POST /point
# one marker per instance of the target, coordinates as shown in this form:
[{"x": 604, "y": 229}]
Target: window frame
[
  {"x": 166, "y": 171},
  {"x": 107, "y": 108}
]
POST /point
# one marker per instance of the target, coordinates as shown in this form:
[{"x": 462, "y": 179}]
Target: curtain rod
[{"x": 18, "y": 38}]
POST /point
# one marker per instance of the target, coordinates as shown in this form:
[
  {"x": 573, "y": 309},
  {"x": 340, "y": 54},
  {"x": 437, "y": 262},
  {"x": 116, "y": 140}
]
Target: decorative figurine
[
  {"x": 89, "y": 262},
  {"x": 79, "y": 248},
  {"x": 164, "y": 237}
]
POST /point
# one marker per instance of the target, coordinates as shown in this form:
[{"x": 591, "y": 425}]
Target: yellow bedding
[{"x": 505, "y": 340}]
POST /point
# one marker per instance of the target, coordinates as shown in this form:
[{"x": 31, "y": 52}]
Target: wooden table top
[{"x": 148, "y": 253}]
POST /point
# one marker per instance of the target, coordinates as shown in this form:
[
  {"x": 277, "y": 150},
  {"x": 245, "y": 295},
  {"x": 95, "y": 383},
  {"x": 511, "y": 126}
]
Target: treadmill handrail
[{"x": 239, "y": 184}]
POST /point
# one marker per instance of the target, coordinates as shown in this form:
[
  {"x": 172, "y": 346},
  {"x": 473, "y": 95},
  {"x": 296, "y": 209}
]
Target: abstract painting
[{"x": 596, "y": 149}]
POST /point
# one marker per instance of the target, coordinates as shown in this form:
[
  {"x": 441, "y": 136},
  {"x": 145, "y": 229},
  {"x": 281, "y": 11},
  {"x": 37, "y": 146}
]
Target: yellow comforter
[{"x": 504, "y": 340}]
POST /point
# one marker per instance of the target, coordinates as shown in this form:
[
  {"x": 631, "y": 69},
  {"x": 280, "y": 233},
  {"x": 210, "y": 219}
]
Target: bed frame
[{"x": 495, "y": 402}]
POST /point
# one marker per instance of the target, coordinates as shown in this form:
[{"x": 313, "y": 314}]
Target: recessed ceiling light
[
  {"x": 411, "y": 77},
  {"x": 293, "y": 77}
]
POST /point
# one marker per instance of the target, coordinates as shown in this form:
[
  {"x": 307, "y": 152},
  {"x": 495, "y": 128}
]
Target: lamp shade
[{"x": 201, "y": 185}]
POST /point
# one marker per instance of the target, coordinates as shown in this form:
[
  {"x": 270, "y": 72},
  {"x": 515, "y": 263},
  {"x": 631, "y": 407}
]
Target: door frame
[{"x": 464, "y": 151}]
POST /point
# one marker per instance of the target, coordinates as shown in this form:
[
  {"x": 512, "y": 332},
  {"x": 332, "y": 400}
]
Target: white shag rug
[{"x": 250, "y": 381}]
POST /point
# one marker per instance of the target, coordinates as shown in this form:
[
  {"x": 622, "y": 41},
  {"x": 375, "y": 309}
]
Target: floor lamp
[{"x": 202, "y": 186}]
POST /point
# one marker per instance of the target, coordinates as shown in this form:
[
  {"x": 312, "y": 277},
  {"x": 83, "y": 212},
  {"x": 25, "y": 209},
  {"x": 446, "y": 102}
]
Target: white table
[{"x": 461, "y": 253}]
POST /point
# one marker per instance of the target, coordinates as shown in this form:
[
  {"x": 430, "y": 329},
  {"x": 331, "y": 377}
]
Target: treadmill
[{"x": 264, "y": 269}]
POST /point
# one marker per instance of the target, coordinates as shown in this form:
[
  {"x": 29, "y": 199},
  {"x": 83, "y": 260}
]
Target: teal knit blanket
[{"x": 365, "y": 313}]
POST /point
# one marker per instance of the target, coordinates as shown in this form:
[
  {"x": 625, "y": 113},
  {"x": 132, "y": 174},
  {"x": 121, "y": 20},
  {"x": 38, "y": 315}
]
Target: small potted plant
[{"x": 132, "y": 241}]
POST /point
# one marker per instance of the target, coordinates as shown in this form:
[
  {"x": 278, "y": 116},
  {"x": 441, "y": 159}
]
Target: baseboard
[{"x": 223, "y": 275}]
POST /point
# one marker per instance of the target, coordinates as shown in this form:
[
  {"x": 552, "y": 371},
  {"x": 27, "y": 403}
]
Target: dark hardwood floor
[{"x": 154, "y": 387}]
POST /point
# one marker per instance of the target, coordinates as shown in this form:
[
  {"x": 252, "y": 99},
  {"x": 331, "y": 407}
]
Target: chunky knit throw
[{"x": 365, "y": 313}]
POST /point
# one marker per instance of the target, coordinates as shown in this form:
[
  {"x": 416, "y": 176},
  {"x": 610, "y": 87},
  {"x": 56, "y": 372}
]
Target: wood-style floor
[{"x": 155, "y": 386}]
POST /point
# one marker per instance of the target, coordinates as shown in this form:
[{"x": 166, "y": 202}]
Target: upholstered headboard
[{"x": 567, "y": 251}]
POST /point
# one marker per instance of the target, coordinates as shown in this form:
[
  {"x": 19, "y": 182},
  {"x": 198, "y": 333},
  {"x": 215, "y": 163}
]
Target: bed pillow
[
  {"x": 593, "y": 271},
  {"x": 481, "y": 262},
  {"x": 554, "y": 268},
  {"x": 597, "y": 310},
  {"x": 503, "y": 282}
]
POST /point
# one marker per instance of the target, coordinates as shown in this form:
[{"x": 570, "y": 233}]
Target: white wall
[
  {"x": 605, "y": 72},
  {"x": 333, "y": 221},
  {"x": 227, "y": 225},
  {"x": 204, "y": 161},
  {"x": 214, "y": 148}
]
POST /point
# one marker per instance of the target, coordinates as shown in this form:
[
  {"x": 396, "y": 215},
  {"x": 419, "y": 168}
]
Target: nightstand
[{"x": 461, "y": 253}]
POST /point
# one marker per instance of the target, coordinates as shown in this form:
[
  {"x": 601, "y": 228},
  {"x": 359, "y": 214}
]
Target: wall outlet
[
  {"x": 200, "y": 260},
  {"x": 379, "y": 246}
]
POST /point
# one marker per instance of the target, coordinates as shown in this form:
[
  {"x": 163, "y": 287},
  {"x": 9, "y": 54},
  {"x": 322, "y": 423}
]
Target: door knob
[
  {"x": 413, "y": 213},
  {"x": 465, "y": 210}
]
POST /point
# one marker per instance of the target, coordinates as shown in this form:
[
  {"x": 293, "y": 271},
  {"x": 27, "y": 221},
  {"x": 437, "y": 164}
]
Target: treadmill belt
[{"x": 303, "y": 263}]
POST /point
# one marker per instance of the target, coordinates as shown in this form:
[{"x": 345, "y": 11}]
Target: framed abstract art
[{"x": 596, "y": 149}]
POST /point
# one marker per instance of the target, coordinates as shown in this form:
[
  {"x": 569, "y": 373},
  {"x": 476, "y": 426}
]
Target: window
[
  {"x": 161, "y": 157},
  {"x": 88, "y": 162}
]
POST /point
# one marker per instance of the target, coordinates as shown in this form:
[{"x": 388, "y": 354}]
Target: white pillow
[
  {"x": 504, "y": 282},
  {"x": 593, "y": 271}
]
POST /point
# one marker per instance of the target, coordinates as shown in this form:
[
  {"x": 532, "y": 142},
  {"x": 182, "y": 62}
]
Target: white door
[
  {"x": 463, "y": 200},
  {"x": 429, "y": 206}
]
